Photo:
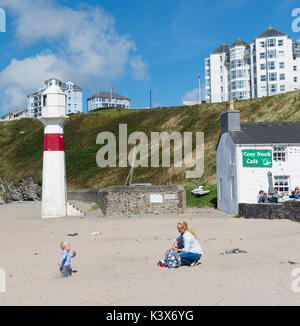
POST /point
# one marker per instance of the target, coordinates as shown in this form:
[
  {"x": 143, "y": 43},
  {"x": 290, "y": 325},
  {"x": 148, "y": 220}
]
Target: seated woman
[
  {"x": 186, "y": 245},
  {"x": 295, "y": 193}
]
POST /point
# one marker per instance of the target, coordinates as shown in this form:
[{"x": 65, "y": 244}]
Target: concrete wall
[{"x": 134, "y": 200}]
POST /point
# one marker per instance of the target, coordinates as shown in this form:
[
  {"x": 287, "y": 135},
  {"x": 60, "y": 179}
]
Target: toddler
[{"x": 65, "y": 259}]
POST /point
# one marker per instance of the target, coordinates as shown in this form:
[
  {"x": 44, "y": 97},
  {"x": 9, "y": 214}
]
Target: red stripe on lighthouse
[{"x": 54, "y": 143}]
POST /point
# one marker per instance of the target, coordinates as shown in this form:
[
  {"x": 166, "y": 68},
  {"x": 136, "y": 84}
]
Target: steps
[{"x": 73, "y": 211}]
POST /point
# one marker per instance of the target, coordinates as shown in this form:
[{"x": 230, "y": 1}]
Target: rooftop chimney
[
  {"x": 229, "y": 105},
  {"x": 230, "y": 121}
]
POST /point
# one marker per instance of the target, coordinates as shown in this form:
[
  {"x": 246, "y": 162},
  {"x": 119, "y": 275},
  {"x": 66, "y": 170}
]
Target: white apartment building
[
  {"x": 268, "y": 66},
  {"x": 275, "y": 64},
  {"x": 217, "y": 75},
  {"x": 103, "y": 100},
  {"x": 16, "y": 115},
  {"x": 74, "y": 98}
]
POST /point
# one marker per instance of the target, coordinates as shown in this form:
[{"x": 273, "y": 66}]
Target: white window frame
[
  {"x": 279, "y": 154},
  {"x": 282, "y": 182}
]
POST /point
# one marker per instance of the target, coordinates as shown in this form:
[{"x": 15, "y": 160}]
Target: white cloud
[
  {"x": 83, "y": 46},
  {"x": 139, "y": 68},
  {"x": 193, "y": 95}
]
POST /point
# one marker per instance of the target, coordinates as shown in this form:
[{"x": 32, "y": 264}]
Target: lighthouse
[{"x": 54, "y": 167}]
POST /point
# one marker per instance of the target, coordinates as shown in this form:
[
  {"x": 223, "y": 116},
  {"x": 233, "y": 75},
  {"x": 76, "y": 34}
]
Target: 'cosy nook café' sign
[{"x": 257, "y": 158}]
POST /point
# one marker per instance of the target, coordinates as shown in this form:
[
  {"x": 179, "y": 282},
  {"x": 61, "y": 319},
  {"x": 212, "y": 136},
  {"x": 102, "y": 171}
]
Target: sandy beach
[{"x": 119, "y": 266}]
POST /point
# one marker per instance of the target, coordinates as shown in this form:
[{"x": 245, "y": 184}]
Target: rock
[{"x": 26, "y": 190}]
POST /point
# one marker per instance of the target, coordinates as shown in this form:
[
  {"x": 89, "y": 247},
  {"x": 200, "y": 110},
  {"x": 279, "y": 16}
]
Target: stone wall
[
  {"x": 25, "y": 190},
  {"x": 134, "y": 200},
  {"x": 287, "y": 210}
]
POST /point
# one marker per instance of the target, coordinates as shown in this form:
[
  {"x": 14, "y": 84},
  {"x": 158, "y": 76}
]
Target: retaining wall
[{"x": 134, "y": 200}]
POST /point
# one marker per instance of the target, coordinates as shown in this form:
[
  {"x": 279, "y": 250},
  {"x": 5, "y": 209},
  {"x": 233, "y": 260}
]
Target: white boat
[{"x": 198, "y": 191}]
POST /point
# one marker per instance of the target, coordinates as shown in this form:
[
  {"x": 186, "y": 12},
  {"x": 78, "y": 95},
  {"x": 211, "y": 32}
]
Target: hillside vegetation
[{"x": 21, "y": 142}]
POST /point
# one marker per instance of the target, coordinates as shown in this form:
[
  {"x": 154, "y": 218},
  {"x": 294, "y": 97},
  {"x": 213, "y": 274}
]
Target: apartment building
[
  {"x": 108, "y": 100},
  {"x": 74, "y": 98},
  {"x": 269, "y": 65},
  {"x": 217, "y": 75},
  {"x": 16, "y": 115}
]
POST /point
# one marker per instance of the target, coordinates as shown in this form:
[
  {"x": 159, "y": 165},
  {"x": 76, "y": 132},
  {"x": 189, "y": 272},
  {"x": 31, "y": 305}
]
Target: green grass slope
[{"x": 21, "y": 142}]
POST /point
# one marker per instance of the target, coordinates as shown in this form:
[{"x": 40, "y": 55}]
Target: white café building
[{"x": 246, "y": 152}]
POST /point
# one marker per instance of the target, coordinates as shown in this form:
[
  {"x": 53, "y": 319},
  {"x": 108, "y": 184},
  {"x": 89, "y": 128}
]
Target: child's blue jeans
[{"x": 66, "y": 271}]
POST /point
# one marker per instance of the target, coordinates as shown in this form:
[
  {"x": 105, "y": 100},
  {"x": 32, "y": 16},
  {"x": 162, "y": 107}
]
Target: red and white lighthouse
[{"x": 54, "y": 198}]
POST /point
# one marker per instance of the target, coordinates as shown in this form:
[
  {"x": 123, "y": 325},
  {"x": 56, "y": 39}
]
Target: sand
[{"x": 119, "y": 266}]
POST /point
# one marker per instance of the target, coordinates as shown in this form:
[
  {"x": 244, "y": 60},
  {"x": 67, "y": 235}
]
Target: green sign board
[{"x": 257, "y": 158}]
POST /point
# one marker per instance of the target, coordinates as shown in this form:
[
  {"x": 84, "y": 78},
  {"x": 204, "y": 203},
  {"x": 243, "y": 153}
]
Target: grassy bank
[{"x": 21, "y": 142}]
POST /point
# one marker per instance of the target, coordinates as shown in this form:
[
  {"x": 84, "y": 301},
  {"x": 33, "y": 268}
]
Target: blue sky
[{"x": 134, "y": 45}]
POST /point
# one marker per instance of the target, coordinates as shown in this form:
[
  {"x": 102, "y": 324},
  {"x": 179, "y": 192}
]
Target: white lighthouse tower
[{"x": 54, "y": 167}]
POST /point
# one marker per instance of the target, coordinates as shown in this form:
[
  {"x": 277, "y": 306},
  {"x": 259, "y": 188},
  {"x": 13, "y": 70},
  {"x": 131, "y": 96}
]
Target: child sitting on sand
[{"x": 65, "y": 259}]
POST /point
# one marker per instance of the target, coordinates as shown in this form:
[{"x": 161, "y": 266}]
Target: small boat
[{"x": 198, "y": 191}]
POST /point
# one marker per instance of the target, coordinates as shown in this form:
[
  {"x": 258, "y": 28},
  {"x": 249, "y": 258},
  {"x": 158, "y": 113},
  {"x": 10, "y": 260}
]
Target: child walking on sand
[{"x": 65, "y": 259}]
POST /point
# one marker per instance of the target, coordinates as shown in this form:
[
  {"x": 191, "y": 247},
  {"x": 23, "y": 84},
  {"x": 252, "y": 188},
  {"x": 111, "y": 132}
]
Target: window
[
  {"x": 262, "y": 44},
  {"x": 295, "y": 68},
  {"x": 282, "y": 88},
  {"x": 280, "y": 42},
  {"x": 282, "y": 183},
  {"x": 272, "y": 54},
  {"x": 295, "y": 79},
  {"x": 263, "y": 89},
  {"x": 44, "y": 100},
  {"x": 271, "y": 65},
  {"x": 240, "y": 84},
  {"x": 281, "y": 65},
  {"x": 280, "y": 54},
  {"x": 279, "y": 154},
  {"x": 273, "y": 88},
  {"x": 240, "y": 73},
  {"x": 263, "y": 78},
  {"x": 262, "y": 55},
  {"x": 263, "y": 66},
  {"x": 272, "y": 76},
  {"x": 282, "y": 76},
  {"x": 271, "y": 42}
]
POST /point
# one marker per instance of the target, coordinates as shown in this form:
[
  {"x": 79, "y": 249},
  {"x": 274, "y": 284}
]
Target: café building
[{"x": 248, "y": 152}]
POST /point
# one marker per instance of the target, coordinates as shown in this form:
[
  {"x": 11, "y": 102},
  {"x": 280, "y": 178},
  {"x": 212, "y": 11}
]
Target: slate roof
[
  {"x": 221, "y": 49},
  {"x": 267, "y": 133},
  {"x": 107, "y": 95},
  {"x": 239, "y": 41},
  {"x": 270, "y": 32}
]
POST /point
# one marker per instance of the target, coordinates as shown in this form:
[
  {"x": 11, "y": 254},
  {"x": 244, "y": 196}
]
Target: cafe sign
[{"x": 257, "y": 158}]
